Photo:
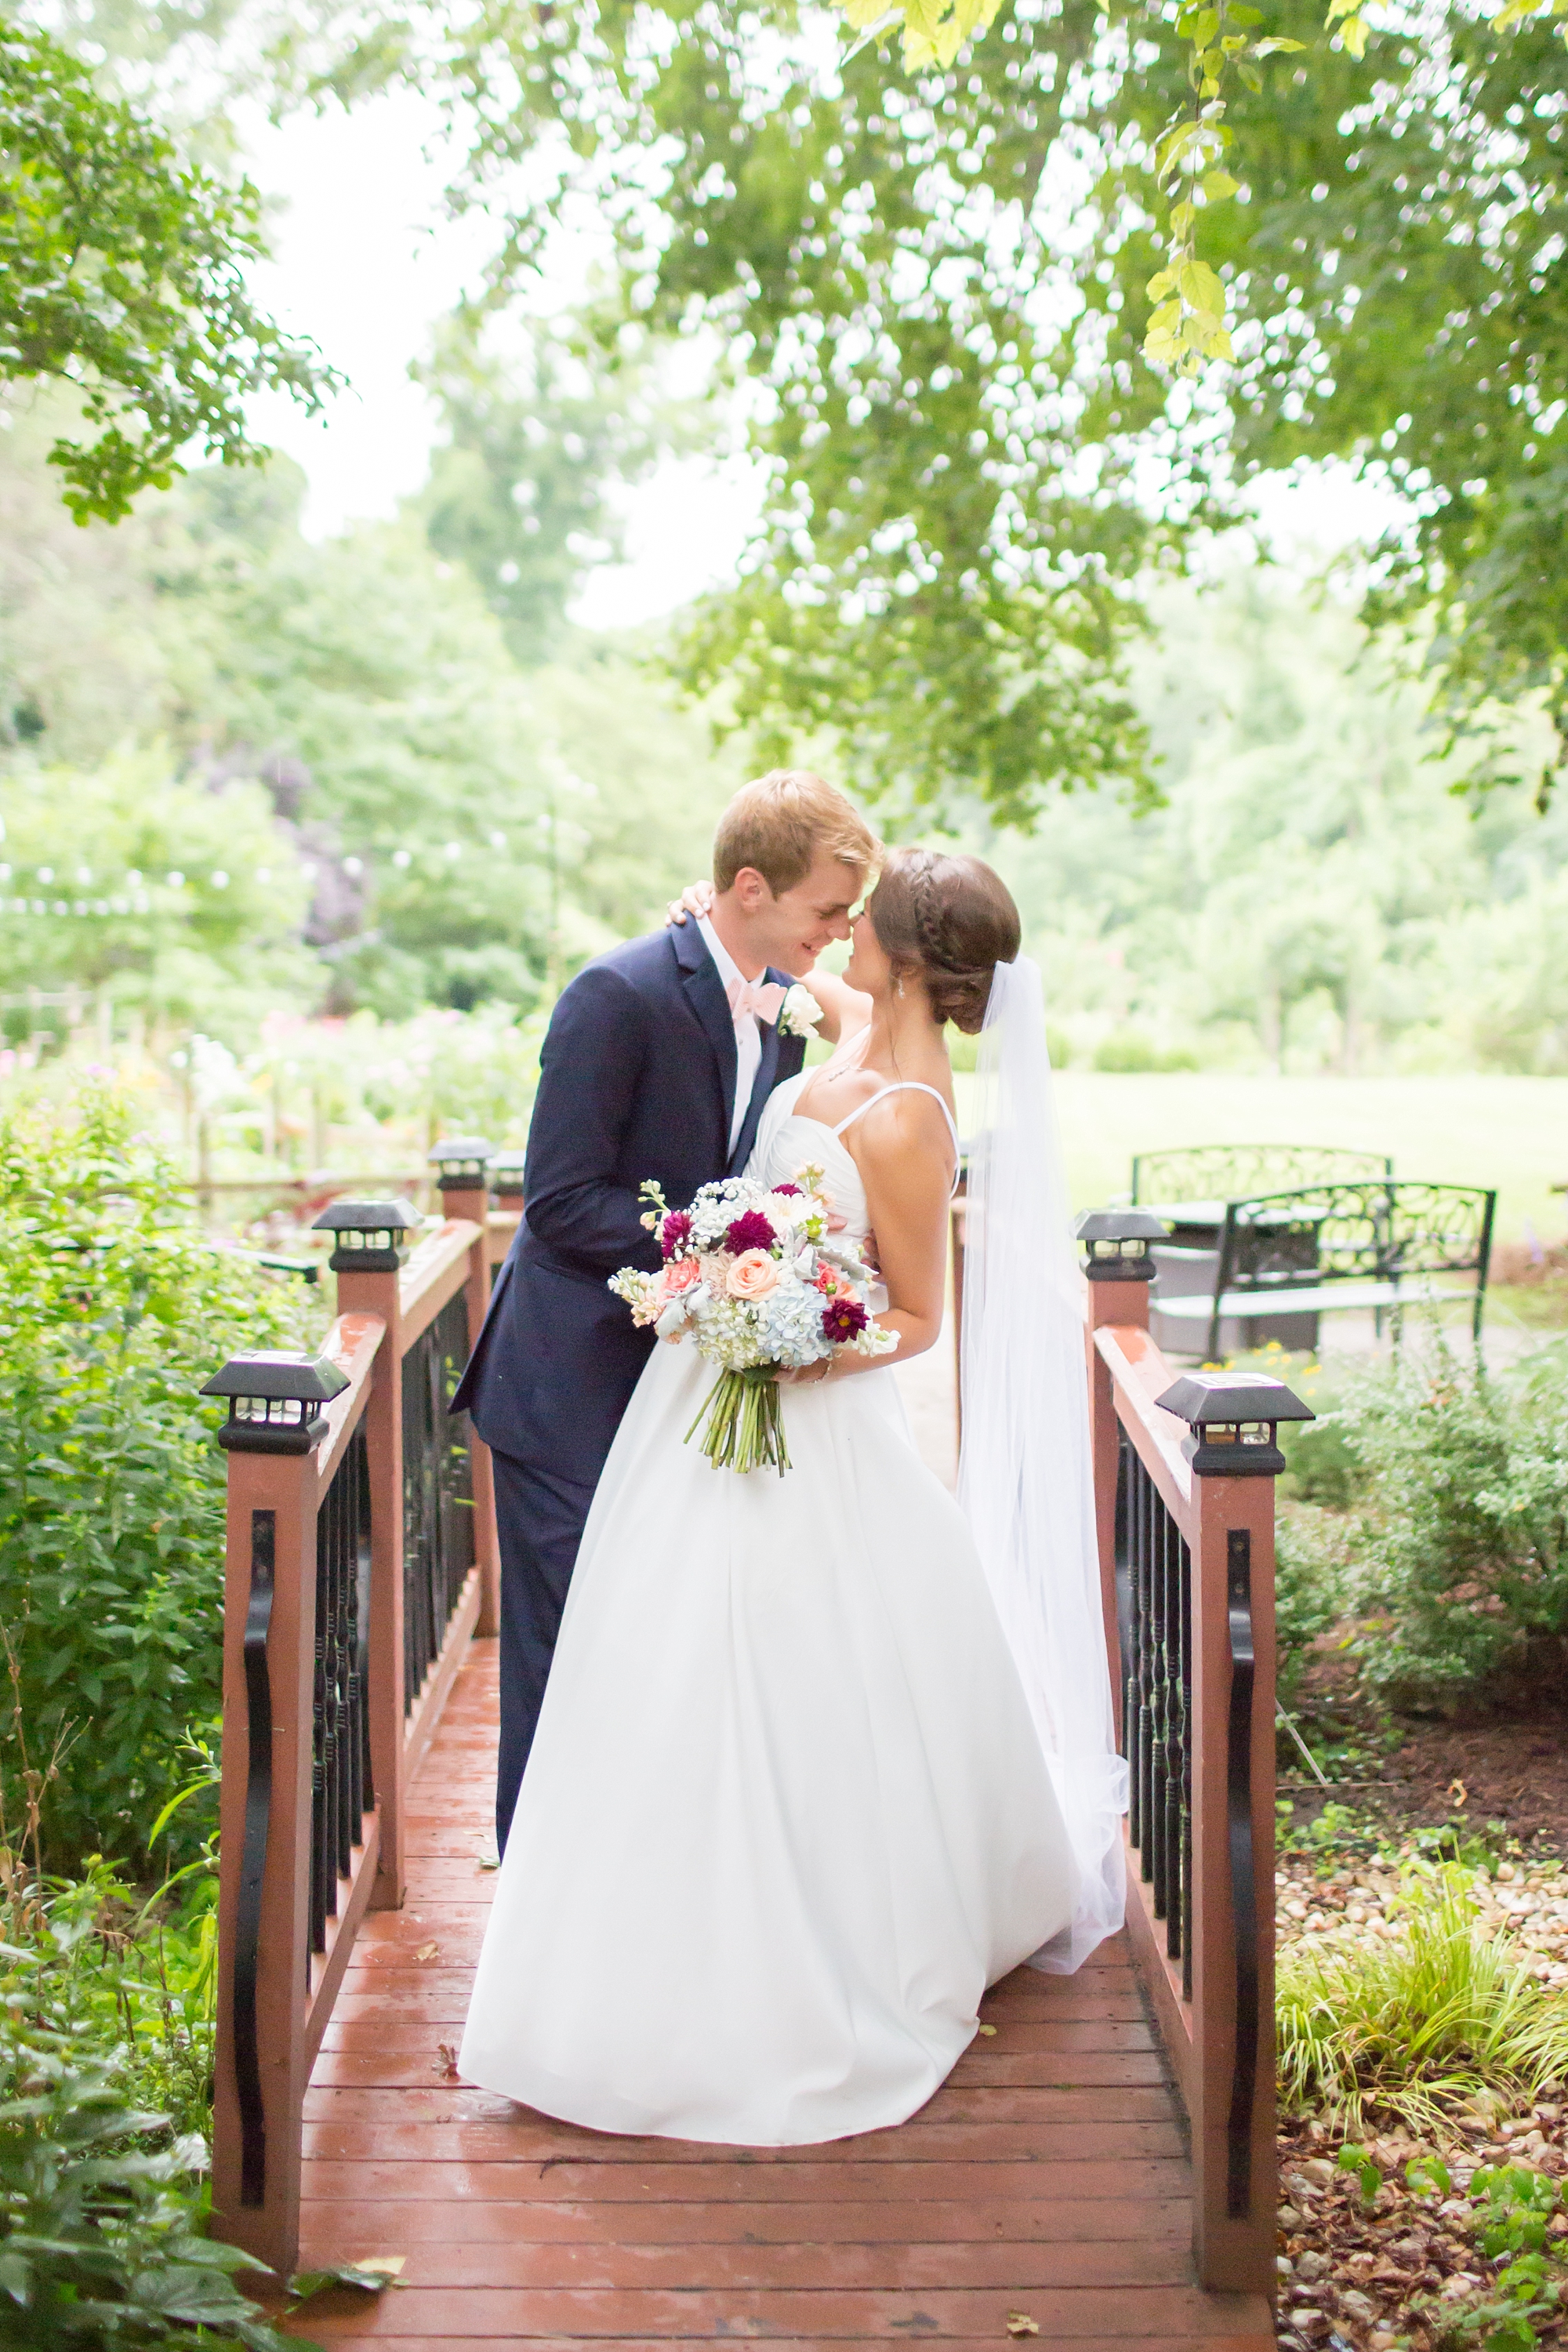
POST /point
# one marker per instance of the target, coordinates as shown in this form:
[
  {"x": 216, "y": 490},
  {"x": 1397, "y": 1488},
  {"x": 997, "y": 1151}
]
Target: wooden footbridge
[{"x": 1099, "y": 2170}]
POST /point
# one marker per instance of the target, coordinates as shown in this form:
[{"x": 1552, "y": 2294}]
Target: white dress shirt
[{"x": 748, "y": 1035}]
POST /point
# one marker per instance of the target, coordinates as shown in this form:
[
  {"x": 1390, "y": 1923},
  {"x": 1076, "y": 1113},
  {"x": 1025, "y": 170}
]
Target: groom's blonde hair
[{"x": 779, "y": 823}]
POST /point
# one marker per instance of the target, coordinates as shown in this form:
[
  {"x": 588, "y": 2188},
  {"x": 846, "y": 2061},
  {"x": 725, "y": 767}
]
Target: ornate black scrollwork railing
[
  {"x": 253, "y": 1859},
  {"x": 341, "y": 1791},
  {"x": 437, "y": 1493},
  {"x": 1243, "y": 1871},
  {"x": 1154, "y": 1595}
]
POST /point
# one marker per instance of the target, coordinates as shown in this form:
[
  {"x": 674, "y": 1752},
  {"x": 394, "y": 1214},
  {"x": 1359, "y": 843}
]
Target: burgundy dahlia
[
  {"x": 675, "y": 1232},
  {"x": 752, "y": 1230},
  {"x": 792, "y": 1189},
  {"x": 844, "y": 1318}
]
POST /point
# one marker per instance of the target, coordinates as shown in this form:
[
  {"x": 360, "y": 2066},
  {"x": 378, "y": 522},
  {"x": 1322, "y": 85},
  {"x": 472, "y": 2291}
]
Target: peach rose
[
  {"x": 753, "y": 1276},
  {"x": 681, "y": 1274}
]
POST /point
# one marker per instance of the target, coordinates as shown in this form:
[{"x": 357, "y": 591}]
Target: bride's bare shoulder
[{"x": 908, "y": 1123}]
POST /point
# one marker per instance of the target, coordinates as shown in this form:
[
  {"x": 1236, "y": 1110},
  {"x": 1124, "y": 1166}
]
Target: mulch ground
[
  {"x": 1407, "y": 2270},
  {"x": 1511, "y": 1770}
]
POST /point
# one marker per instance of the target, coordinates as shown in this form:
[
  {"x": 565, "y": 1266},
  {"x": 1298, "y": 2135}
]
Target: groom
[{"x": 659, "y": 1060}]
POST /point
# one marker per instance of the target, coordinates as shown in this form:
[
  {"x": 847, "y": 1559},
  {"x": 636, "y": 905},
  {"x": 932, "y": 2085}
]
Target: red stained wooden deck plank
[
  {"x": 535, "y": 2141},
  {"x": 754, "y": 2270},
  {"x": 375, "y": 2110},
  {"x": 1048, "y": 2175},
  {"x": 517, "y": 2315},
  {"x": 362, "y": 2229},
  {"x": 1208, "y": 2342},
  {"x": 370, "y": 2174}
]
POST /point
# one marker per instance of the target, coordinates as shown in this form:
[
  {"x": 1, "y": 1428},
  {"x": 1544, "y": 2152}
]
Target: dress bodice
[{"x": 786, "y": 1141}]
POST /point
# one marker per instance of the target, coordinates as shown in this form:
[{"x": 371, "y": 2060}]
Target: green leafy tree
[
  {"x": 1400, "y": 274},
  {"x": 122, "y": 273},
  {"x": 171, "y": 898},
  {"x": 519, "y": 491},
  {"x": 437, "y": 825},
  {"x": 943, "y": 273}
]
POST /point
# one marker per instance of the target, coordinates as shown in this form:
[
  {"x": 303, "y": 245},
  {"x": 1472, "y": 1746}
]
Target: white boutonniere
[{"x": 799, "y": 1013}]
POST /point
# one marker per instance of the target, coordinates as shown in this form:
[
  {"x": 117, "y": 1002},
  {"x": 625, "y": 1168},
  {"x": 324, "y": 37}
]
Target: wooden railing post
[
  {"x": 1118, "y": 1270},
  {"x": 262, "y": 2062},
  {"x": 367, "y": 1259},
  {"x": 1235, "y": 1461},
  {"x": 462, "y": 1172}
]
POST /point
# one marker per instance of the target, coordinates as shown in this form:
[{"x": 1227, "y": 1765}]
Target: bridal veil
[{"x": 1025, "y": 1475}]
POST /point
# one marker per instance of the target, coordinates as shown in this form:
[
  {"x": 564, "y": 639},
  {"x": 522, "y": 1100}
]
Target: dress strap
[{"x": 916, "y": 1086}]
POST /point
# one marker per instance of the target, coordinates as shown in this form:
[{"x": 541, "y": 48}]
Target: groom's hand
[{"x": 696, "y": 898}]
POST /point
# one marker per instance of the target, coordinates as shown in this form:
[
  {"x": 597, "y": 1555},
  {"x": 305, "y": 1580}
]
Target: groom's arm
[{"x": 592, "y": 1058}]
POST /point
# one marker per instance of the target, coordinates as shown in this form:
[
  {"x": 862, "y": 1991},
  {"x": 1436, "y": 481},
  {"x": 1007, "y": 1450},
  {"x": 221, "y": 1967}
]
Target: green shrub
[
  {"x": 1322, "y": 1462},
  {"x": 113, "y": 1309},
  {"x": 99, "y": 2245},
  {"x": 128, "y": 1977},
  {"x": 1124, "y": 1050},
  {"x": 1309, "y": 1589},
  {"x": 1417, "y": 2026},
  {"x": 1465, "y": 1541}
]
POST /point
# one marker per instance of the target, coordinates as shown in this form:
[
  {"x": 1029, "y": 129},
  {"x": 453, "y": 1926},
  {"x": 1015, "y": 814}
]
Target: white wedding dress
[{"x": 787, "y": 1814}]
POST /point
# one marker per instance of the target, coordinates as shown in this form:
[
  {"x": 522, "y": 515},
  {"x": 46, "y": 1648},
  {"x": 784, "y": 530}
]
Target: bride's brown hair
[{"x": 951, "y": 920}]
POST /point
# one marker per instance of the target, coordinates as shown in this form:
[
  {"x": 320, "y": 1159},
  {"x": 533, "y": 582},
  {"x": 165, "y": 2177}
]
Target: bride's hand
[
  {"x": 809, "y": 1376},
  {"x": 696, "y": 898}
]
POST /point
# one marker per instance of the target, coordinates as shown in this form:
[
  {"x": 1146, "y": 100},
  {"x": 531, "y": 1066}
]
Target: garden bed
[{"x": 1385, "y": 2235}]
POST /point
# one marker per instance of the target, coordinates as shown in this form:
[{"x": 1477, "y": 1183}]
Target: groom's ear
[{"x": 750, "y": 890}]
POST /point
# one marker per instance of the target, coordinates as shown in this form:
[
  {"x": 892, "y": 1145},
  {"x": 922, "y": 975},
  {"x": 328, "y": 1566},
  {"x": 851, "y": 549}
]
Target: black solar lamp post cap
[
  {"x": 368, "y": 1234},
  {"x": 1233, "y": 1420},
  {"x": 506, "y": 1175},
  {"x": 461, "y": 1162},
  {"x": 275, "y": 1401},
  {"x": 1117, "y": 1243}
]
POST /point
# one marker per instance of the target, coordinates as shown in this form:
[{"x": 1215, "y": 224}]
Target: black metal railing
[
  {"x": 1154, "y": 1606},
  {"x": 341, "y": 1791},
  {"x": 437, "y": 1492}
]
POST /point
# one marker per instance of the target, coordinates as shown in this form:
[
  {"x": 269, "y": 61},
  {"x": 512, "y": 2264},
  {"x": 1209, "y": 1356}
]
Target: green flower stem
[{"x": 742, "y": 1419}]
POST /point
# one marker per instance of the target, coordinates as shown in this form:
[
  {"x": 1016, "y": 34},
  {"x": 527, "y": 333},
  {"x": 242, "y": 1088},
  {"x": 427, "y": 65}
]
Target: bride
[{"x": 821, "y": 1758}]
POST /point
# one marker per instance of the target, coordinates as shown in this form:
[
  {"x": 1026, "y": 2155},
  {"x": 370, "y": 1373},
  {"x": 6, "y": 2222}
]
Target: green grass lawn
[{"x": 1504, "y": 1131}]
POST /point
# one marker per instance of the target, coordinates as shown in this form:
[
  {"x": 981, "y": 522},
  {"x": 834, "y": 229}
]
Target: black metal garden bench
[{"x": 1326, "y": 1248}]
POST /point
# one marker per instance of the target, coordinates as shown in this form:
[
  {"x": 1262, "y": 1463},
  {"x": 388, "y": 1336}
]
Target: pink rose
[
  {"x": 681, "y": 1274},
  {"x": 753, "y": 1276}
]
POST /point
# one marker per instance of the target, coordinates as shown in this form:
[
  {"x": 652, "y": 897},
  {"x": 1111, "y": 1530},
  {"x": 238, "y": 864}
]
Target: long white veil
[{"x": 1025, "y": 1477}]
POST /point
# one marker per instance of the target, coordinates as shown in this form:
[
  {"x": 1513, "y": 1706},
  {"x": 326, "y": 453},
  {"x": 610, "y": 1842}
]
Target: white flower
[{"x": 799, "y": 1013}]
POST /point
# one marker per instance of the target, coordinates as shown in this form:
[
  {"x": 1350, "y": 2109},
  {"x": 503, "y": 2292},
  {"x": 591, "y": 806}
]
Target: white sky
[{"x": 366, "y": 263}]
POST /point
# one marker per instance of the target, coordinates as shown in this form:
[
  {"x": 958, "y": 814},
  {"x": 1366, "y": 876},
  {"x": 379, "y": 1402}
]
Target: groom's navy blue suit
[{"x": 637, "y": 1080}]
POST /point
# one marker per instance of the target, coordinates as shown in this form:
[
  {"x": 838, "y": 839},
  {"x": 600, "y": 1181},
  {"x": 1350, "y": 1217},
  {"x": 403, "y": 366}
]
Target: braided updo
[{"x": 952, "y": 921}]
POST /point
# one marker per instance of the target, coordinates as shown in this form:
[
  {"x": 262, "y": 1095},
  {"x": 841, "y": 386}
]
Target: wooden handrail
[
  {"x": 300, "y": 1726},
  {"x": 350, "y": 1344},
  {"x": 269, "y": 1993},
  {"x": 1200, "y": 1903},
  {"x": 437, "y": 1269}
]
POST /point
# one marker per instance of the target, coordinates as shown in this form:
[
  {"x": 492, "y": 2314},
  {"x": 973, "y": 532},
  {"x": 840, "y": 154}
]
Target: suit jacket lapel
[
  {"x": 762, "y": 1085},
  {"x": 705, "y": 994}
]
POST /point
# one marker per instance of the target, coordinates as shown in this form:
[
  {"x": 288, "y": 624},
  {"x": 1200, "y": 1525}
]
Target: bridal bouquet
[{"x": 754, "y": 1277}]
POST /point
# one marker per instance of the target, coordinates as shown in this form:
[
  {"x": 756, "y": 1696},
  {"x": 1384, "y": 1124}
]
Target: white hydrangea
[{"x": 783, "y": 1326}]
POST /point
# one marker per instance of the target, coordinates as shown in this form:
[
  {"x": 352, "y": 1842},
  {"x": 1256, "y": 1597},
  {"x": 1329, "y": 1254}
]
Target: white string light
[{"x": 133, "y": 895}]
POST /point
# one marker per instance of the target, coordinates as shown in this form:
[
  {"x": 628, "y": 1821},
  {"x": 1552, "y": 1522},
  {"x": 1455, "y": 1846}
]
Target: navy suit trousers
[{"x": 538, "y": 1519}]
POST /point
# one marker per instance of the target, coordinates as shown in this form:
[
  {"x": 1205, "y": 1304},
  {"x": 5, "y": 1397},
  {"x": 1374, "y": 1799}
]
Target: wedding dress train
[{"x": 787, "y": 1814}]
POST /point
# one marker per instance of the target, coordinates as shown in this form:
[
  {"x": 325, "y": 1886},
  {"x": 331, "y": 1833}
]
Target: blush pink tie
[{"x": 764, "y": 998}]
